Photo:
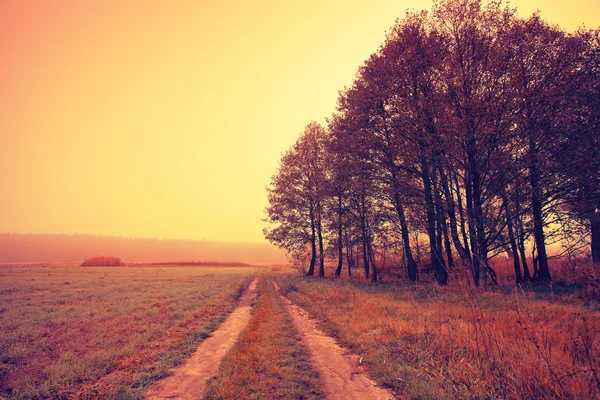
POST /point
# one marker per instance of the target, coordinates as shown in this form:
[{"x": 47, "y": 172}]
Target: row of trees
[{"x": 470, "y": 125}]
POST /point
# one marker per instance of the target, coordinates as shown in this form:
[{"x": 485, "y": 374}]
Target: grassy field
[
  {"x": 105, "y": 332},
  {"x": 428, "y": 342},
  {"x": 109, "y": 332},
  {"x": 268, "y": 362}
]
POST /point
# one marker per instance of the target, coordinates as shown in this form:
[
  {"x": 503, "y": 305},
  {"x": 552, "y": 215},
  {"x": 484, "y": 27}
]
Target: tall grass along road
[{"x": 425, "y": 341}]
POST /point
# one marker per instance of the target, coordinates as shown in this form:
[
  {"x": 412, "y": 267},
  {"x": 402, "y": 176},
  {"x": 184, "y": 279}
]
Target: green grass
[
  {"x": 105, "y": 332},
  {"x": 268, "y": 361},
  {"x": 428, "y": 342}
]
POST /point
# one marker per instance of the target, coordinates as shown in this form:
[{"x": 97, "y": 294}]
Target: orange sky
[{"x": 167, "y": 118}]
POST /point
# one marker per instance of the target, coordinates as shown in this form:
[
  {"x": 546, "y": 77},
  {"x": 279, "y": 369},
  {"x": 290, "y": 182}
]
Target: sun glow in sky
[{"x": 167, "y": 118}]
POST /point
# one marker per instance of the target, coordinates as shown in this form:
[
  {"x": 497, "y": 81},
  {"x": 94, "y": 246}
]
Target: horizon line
[{"x": 130, "y": 237}]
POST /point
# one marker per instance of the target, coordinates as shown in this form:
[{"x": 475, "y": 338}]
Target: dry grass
[
  {"x": 565, "y": 271},
  {"x": 69, "y": 332},
  {"x": 428, "y": 342},
  {"x": 268, "y": 362}
]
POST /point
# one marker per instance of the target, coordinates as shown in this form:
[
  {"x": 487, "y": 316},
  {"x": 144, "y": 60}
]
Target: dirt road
[
  {"x": 340, "y": 372},
  {"x": 342, "y": 377},
  {"x": 189, "y": 380}
]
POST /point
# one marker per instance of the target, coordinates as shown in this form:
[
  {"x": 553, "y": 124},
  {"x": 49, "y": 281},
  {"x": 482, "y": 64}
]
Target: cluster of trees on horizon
[
  {"x": 102, "y": 261},
  {"x": 469, "y": 125}
]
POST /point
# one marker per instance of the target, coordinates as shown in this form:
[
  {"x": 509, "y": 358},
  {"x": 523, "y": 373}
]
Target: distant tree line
[{"x": 469, "y": 125}]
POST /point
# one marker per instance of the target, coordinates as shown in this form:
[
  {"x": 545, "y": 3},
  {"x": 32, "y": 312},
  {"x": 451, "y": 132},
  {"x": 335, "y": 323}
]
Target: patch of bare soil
[
  {"x": 189, "y": 380},
  {"x": 343, "y": 378}
]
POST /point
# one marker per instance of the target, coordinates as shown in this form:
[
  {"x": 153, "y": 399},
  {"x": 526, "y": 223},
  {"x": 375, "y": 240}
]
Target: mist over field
[{"x": 30, "y": 248}]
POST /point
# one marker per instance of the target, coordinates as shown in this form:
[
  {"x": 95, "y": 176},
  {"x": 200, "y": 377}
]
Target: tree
[
  {"x": 291, "y": 211},
  {"x": 580, "y": 161},
  {"x": 296, "y": 197}
]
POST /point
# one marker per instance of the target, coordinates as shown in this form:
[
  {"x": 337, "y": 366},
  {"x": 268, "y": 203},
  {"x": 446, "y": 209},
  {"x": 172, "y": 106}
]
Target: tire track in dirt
[
  {"x": 189, "y": 380},
  {"x": 343, "y": 379}
]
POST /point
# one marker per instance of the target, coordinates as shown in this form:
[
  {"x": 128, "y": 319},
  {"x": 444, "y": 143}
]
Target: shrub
[{"x": 102, "y": 261}]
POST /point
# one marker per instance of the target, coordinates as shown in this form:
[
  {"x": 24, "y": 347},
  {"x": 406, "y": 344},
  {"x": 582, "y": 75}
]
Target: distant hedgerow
[{"x": 102, "y": 261}]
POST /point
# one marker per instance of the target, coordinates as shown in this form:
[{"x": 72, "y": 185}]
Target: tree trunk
[
  {"x": 534, "y": 260},
  {"x": 511, "y": 237},
  {"x": 447, "y": 244},
  {"x": 514, "y": 250},
  {"x": 418, "y": 248},
  {"x": 313, "y": 246},
  {"x": 340, "y": 246},
  {"x": 461, "y": 213},
  {"x": 480, "y": 252},
  {"x": 439, "y": 241},
  {"x": 439, "y": 271},
  {"x": 365, "y": 257},
  {"x": 476, "y": 272},
  {"x": 523, "y": 255},
  {"x": 321, "y": 253},
  {"x": 450, "y": 206},
  {"x": 349, "y": 254},
  {"x": 538, "y": 219},
  {"x": 413, "y": 273},
  {"x": 521, "y": 234},
  {"x": 363, "y": 227},
  {"x": 443, "y": 219},
  {"x": 372, "y": 260},
  {"x": 439, "y": 236},
  {"x": 595, "y": 225},
  {"x": 492, "y": 274}
]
